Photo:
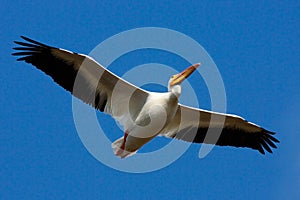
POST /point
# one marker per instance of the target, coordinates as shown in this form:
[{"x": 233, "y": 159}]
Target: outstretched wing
[
  {"x": 201, "y": 126},
  {"x": 83, "y": 77}
]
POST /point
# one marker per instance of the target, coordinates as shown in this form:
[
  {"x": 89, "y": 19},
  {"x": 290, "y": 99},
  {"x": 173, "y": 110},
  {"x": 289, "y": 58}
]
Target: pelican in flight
[{"x": 142, "y": 114}]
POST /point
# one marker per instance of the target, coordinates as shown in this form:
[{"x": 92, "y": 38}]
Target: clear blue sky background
[{"x": 256, "y": 48}]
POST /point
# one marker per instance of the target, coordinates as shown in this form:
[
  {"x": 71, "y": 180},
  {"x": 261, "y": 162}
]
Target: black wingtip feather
[
  {"x": 269, "y": 132},
  {"x": 26, "y": 44},
  {"x": 33, "y": 41},
  {"x": 269, "y": 141},
  {"x": 21, "y": 53},
  {"x": 266, "y": 147},
  {"x": 27, "y": 49},
  {"x": 260, "y": 149},
  {"x": 272, "y": 138},
  {"x": 24, "y": 48}
]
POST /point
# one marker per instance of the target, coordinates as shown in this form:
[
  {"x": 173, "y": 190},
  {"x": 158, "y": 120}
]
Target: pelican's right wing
[
  {"x": 84, "y": 78},
  {"x": 201, "y": 126}
]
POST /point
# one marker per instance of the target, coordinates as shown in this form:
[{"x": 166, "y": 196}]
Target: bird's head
[{"x": 177, "y": 79}]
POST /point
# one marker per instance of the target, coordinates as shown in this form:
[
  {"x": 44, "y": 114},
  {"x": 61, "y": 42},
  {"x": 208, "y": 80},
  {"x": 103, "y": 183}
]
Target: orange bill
[{"x": 178, "y": 78}]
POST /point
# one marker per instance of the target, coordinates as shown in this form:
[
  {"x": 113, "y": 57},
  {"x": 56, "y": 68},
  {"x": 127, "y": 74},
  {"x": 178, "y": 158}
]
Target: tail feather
[{"x": 118, "y": 151}]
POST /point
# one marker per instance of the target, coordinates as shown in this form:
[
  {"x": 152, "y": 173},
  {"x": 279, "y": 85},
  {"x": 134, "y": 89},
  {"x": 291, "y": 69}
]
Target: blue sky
[{"x": 256, "y": 48}]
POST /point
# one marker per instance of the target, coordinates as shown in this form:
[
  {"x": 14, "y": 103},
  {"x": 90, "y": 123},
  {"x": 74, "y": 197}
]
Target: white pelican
[{"x": 135, "y": 108}]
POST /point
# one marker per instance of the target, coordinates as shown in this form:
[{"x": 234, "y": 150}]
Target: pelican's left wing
[
  {"x": 84, "y": 78},
  {"x": 201, "y": 126}
]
